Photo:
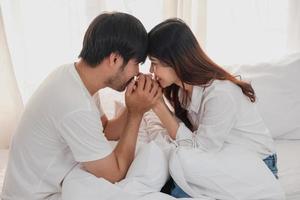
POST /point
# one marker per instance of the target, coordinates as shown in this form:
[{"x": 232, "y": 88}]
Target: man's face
[{"x": 124, "y": 75}]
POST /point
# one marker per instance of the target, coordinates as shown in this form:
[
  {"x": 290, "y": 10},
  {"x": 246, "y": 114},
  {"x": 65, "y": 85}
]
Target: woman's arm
[
  {"x": 115, "y": 127},
  {"x": 166, "y": 117},
  {"x": 213, "y": 127}
]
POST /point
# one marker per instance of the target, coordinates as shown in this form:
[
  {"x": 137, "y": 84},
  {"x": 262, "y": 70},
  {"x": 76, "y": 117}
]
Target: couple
[{"x": 63, "y": 123}]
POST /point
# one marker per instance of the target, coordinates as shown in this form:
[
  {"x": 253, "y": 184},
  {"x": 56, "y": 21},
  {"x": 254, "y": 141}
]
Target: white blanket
[
  {"x": 80, "y": 185},
  {"x": 230, "y": 174}
]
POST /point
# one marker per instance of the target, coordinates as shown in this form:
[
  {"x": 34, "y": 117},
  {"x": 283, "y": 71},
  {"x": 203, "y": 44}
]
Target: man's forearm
[
  {"x": 125, "y": 149},
  {"x": 115, "y": 166}
]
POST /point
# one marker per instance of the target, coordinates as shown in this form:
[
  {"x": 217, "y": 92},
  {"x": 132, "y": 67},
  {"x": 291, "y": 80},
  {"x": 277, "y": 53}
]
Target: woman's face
[{"x": 164, "y": 74}]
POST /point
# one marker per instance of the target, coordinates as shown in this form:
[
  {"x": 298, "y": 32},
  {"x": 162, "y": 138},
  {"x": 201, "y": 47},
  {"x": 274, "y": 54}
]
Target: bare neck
[
  {"x": 187, "y": 87},
  {"x": 90, "y": 76}
]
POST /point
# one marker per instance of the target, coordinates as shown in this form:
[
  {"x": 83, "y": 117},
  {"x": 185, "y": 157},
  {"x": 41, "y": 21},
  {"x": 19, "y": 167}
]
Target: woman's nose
[{"x": 151, "y": 69}]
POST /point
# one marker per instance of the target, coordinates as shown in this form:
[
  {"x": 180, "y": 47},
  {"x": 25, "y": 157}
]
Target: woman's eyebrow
[{"x": 153, "y": 60}]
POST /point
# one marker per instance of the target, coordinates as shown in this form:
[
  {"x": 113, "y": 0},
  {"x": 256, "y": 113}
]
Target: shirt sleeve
[
  {"x": 96, "y": 99},
  {"x": 218, "y": 118},
  {"x": 84, "y": 135}
]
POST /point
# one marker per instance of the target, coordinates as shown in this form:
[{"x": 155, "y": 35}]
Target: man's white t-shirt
[{"x": 59, "y": 128}]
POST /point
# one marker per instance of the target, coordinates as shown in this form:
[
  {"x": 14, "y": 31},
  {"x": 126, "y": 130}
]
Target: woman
[{"x": 215, "y": 108}]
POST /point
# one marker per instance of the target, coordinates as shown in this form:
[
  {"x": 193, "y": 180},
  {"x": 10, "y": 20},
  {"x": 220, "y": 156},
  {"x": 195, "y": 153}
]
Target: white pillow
[
  {"x": 153, "y": 126},
  {"x": 151, "y": 129},
  {"x": 142, "y": 136},
  {"x": 148, "y": 172},
  {"x": 277, "y": 86}
]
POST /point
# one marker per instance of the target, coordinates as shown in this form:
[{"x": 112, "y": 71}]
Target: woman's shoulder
[{"x": 222, "y": 85}]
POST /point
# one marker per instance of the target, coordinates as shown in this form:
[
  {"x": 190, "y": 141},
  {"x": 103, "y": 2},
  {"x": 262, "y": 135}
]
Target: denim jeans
[{"x": 270, "y": 161}]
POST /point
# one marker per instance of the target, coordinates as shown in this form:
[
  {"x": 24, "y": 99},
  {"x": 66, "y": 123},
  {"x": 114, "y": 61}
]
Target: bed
[
  {"x": 277, "y": 85},
  {"x": 288, "y": 163}
]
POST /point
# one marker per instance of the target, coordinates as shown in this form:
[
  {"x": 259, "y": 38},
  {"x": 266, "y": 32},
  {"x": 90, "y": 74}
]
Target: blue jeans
[{"x": 270, "y": 161}]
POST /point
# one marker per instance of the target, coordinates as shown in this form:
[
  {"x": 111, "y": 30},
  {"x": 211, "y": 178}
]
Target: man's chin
[
  {"x": 119, "y": 89},
  {"x": 122, "y": 88}
]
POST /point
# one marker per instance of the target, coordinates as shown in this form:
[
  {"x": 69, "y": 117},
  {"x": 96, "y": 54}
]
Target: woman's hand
[{"x": 158, "y": 104}]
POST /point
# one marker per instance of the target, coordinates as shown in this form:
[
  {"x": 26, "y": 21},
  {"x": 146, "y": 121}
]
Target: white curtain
[
  {"x": 246, "y": 31},
  {"x": 36, "y": 37},
  {"x": 293, "y": 42},
  {"x": 193, "y": 12},
  {"x": 237, "y": 32},
  {"x": 43, "y": 35},
  {"x": 11, "y": 105}
]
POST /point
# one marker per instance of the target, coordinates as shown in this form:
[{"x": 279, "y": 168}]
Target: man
[{"x": 61, "y": 126}]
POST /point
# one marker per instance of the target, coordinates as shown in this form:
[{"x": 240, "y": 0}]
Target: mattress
[{"x": 288, "y": 163}]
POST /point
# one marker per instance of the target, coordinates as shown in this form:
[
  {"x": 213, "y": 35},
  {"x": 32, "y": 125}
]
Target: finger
[
  {"x": 130, "y": 87},
  {"x": 141, "y": 82},
  {"x": 151, "y": 78},
  {"x": 148, "y": 84},
  {"x": 138, "y": 75},
  {"x": 149, "y": 75}
]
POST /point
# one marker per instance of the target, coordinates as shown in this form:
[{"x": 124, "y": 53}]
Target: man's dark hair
[{"x": 114, "y": 33}]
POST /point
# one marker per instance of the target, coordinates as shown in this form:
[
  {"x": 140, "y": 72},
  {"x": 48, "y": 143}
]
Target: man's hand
[
  {"x": 141, "y": 95},
  {"x": 160, "y": 101}
]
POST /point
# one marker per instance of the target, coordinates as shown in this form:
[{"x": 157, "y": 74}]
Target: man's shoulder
[
  {"x": 61, "y": 92},
  {"x": 63, "y": 69}
]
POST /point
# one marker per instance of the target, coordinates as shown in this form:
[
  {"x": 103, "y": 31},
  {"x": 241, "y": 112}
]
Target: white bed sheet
[
  {"x": 289, "y": 167},
  {"x": 3, "y": 162},
  {"x": 288, "y": 164}
]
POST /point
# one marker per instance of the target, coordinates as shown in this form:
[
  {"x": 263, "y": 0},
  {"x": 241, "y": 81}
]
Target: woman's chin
[{"x": 163, "y": 85}]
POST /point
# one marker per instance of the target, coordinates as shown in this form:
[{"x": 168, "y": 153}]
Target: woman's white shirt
[{"x": 222, "y": 115}]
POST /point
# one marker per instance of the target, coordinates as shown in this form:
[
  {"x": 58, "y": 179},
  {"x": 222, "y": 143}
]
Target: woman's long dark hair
[{"x": 173, "y": 43}]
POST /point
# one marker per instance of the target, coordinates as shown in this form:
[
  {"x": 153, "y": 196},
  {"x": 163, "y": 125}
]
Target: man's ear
[{"x": 115, "y": 59}]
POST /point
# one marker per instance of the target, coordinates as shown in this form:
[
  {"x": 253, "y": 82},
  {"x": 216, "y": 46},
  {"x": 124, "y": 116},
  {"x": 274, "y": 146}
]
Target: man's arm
[{"x": 115, "y": 166}]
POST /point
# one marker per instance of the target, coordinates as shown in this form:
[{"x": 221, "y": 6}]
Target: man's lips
[{"x": 135, "y": 78}]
